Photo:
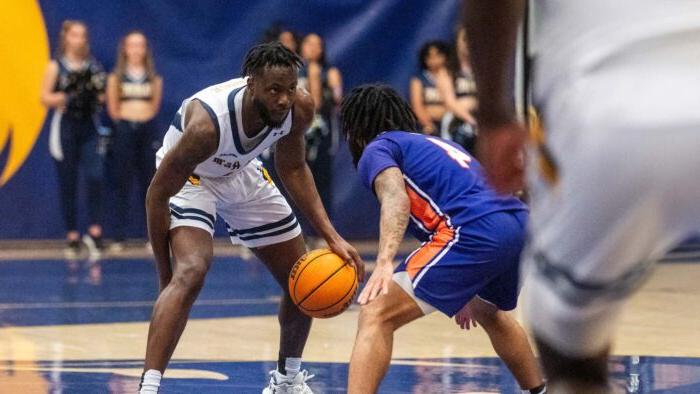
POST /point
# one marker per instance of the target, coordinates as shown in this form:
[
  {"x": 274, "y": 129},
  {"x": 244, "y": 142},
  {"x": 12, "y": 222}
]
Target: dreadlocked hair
[
  {"x": 370, "y": 110},
  {"x": 270, "y": 54}
]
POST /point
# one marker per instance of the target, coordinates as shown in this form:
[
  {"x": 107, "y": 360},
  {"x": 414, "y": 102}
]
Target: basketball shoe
[{"x": 281, "y": 384}]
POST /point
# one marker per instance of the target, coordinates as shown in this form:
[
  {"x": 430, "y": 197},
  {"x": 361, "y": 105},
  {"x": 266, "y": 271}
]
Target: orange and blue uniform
[{"x": 472, "y": 237}]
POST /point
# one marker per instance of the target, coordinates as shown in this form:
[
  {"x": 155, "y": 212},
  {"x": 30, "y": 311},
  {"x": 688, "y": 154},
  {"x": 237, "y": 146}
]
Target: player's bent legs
[
  {"x": 192, "y": 251},
  {"x": 509, "y": 341},
  {"x": 294, "y": 325},
  {"x": 375, "y": 337}
]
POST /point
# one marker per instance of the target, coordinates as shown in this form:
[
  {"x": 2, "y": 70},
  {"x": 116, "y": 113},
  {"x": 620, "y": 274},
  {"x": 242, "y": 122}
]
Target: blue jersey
[{"x": 446, "y": 185}]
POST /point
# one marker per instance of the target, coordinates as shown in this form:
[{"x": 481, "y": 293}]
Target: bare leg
[
  {"x": 509, "y": 341},
  {"x": 375, "y": 338},
  {"x": 192, "y": 255},
  {"x": 294, "y": 325},
  {"x": 574, "y": 375}
]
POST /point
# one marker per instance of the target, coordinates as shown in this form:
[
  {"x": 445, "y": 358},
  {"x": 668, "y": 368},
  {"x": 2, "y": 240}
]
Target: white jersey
[
  {"x": 616, "y": 82},
  {"x": 235, "y": 150},
  {"x": 572, "y": 37}
]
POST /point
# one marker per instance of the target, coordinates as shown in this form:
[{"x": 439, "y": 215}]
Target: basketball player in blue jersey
[
  {"x": 208, "y": 166},
  {"x": 467, "y": 264}
]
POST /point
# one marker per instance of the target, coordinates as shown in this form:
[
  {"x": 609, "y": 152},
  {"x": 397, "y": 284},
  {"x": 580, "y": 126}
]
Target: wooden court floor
[{"x": 80, "y": 327}]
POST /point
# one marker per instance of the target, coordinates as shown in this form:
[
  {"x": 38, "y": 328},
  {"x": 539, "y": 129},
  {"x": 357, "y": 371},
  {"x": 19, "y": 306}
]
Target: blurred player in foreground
[{"x": 621, "y": 158}]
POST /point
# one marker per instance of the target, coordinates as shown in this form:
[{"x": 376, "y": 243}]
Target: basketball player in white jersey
[
  {"x": 207, "y": 167},
  {"x": 617, "y": 85}
]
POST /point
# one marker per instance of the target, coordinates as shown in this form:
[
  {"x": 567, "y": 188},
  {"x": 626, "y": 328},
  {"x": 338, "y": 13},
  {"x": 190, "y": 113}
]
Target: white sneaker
[{"x": 280, "y": 384}]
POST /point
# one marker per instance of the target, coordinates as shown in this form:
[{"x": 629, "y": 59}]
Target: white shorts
[
  {"x": 255, "y": 212},
  {"x": 625, "y": 140},
  {"x": 404, "y": 281}
]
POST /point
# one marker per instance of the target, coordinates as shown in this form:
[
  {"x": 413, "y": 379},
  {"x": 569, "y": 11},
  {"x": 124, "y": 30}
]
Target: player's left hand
[
  {"x": 348, "y": 253},
  {"x": 464, "y": 319}
]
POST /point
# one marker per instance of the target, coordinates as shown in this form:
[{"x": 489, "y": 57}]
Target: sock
[
  {"x": 150, "y": 381},
  {"x": 292, "y": 366},
  {"x": 541, "y": 389}
]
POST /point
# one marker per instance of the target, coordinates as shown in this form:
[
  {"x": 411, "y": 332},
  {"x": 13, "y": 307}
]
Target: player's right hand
[
  {"x": 378, "y": 283},
  {"x": 501, "y": 151}
]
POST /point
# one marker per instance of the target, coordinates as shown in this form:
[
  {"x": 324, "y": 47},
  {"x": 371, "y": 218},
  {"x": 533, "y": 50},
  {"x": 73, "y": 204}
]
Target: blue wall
[{"x": 200, "y": 43}]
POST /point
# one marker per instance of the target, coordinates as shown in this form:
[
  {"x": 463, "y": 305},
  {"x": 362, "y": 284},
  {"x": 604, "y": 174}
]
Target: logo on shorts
[
  {"x": 194, "y": 179},
  {"x": 266, "y": 175}
]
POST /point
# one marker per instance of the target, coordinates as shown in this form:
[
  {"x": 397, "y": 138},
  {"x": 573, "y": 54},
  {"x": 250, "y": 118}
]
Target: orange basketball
[{"x": 322, "y": 284}]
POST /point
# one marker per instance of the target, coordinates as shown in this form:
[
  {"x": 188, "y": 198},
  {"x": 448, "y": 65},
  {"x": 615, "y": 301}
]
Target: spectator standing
[
  {"x": 73, "y": 86},
  {"x": 134, "y": 92},
  {"x": 457, "y": 87},
  {"x": 325, "y": 83}
]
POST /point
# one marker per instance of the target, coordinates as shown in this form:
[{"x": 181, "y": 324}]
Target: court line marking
[
  {"x": 173, "y": 373},
  {"x": 135, "y": 304},
  {"x": 426, "y": 363}
]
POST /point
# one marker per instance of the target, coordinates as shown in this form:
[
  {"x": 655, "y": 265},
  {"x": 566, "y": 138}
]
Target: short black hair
[
  {"x": 370, "y": 110},
  {"x": 269, "y": 54},
  {"x": 441, "y": 46}
]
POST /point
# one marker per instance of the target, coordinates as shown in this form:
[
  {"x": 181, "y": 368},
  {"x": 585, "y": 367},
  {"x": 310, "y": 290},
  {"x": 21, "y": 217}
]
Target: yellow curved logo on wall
[{"x": 24, "y": 50}]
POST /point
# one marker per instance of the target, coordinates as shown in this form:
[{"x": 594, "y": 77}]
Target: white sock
[
  {"x": 150, "y": 381},
  {"x": 292, "y": 365}
]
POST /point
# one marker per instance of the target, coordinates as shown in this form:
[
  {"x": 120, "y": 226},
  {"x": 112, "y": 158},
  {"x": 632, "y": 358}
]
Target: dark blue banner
[{"x": 200, "y": 43}]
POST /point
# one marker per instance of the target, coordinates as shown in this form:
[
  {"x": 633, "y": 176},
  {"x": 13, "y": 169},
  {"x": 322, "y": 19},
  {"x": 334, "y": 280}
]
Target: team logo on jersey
[
  {"x": 231, "y": 165},
  {"x": 21, "y": 113}
]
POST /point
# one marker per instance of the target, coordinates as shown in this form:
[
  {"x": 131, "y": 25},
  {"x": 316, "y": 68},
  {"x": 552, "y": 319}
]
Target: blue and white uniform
[
  {"x": 472, "y": 237},
  {"x": 232, "y": 182}
]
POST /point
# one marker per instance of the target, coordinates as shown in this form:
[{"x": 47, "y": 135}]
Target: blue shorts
[{"x": 478, "y": 259}]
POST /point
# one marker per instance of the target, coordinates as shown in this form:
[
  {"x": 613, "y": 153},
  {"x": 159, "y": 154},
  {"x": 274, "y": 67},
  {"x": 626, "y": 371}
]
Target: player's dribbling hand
[
  {"x": 501, "y": 151},
  {"x": 348, "y": 253},
  {"x": 378, "y": 283},
  {"x": 464, "y": 319}
]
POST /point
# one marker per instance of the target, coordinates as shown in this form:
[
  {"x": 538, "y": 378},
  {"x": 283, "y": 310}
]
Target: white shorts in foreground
[{"x": 624, "y": 135}]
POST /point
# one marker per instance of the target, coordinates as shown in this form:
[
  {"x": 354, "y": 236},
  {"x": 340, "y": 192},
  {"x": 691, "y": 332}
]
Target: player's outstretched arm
[
  {"x": 492, "y": 30},
  {"x": 290, "y": 162},
  {"x": 198, "y": 142},
  {"x": 395, "y": 211}
]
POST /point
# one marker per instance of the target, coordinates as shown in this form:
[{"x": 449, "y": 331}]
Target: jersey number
[{"x": 457, "y": 155}]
